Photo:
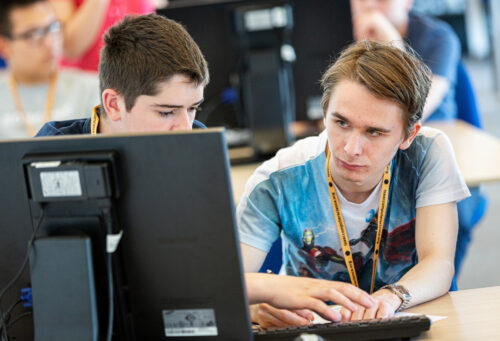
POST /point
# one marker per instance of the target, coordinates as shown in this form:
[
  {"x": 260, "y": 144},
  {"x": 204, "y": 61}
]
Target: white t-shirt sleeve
[
  {"x": 257, "y": 213},
  {"x": 440, "y": 178}
]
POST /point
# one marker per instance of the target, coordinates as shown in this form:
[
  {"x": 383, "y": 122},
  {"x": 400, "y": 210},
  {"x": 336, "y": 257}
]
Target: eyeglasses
[{"x": 36, "y": 35}]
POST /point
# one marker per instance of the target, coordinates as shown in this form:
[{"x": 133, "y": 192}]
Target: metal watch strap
[{"x": 401, "y": 292}]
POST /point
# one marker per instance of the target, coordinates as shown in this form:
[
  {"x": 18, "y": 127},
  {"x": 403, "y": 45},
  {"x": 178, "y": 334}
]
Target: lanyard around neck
[
  {"x": 94, "y": 121},
  {"x": 344, "y": 239},
  {"x": 49, "y": 103}
]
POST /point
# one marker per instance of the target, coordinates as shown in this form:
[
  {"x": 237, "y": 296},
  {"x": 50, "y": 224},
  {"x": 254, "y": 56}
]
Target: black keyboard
[{"x": 377, "y": 329}]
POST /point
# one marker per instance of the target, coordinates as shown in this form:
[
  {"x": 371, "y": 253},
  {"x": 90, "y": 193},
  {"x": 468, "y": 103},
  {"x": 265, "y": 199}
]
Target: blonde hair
[{"x": 385, "y": 70}]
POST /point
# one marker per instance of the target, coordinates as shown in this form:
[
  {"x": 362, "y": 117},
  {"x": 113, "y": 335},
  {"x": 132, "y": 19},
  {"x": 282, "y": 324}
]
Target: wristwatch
[{"x": 401, "y": 292}]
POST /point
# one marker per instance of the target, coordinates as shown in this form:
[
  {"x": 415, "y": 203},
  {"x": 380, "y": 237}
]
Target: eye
[
  {"x": 195, "y": 109},
  {"x": 165, "y": 113},
  {"x": 374, "y": 133},
  {"x": 341, "y": 123}
]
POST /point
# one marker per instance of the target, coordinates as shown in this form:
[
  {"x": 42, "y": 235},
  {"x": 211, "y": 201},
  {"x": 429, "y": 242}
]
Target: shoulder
[
  {"x": 73, "y": 77},
  {"x": 427, "y": 33},
  {"x": 429, "y": 137},
  {"x": 428, "y": 23},
  {"x": 290, "y": 160},
  {"x": 430, "y": 150},
  {"x": 428, "y": 140},
  {"x": 298, "y": 154},
  {"x": 198, "y": 125},
  {"x": 69, "y": 127}
]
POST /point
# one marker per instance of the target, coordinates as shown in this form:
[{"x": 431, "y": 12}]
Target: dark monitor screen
[
  {"x": 321, "y": 29},
  {"x": 178, "y": 258}
]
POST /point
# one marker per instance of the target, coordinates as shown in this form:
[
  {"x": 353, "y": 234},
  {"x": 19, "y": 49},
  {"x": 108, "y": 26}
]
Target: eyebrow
[
  {"x": 382, "y": 130},
  {"x": 174, "y": 106}
]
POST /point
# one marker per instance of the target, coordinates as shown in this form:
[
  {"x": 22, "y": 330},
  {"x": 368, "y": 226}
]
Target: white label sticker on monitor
[
  {"x": 61, "y": 184},
  {"x": 189, "y": 322}
]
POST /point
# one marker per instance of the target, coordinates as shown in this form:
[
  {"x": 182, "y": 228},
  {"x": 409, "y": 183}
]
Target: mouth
[{"x": 350, "y": 166}]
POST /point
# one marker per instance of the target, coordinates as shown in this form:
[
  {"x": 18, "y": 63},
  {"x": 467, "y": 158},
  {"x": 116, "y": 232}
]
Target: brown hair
[
  {"x": 6, "y": 7},
  {"x": 142, "y": 51},
  {"x": 385, "y": 70}
]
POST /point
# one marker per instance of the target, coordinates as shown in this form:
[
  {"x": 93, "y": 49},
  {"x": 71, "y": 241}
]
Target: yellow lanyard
[
  {"x": 94, "y": 121},
  {"x": 49, "y": 103},
  {"x": 344, "y": 239}
]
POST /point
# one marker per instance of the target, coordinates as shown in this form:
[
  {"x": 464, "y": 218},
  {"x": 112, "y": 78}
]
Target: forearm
[
  {"x": 256, "y": 288},
  {"x": 437, "y": 92},
  {"x": 83, "y": 26},
  {"x": 429, "y": 279}
]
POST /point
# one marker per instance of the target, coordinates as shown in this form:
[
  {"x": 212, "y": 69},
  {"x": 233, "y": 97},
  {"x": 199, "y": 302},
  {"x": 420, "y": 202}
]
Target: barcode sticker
[{"x": 189, "y": 322}]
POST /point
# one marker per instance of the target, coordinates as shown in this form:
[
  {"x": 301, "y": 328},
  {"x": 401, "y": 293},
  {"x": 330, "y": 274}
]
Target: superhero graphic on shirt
[{"x": 397, "y": 247}]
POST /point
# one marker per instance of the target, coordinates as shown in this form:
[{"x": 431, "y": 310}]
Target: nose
[
  {"x": 50, "y": 39},
  {"x": 183, "y": 121},
  {"x": 353, "y": 145},
  {"x": 367, "y": 5}
]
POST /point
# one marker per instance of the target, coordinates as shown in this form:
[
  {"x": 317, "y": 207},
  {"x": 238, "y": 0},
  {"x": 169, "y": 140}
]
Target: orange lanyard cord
[
  {"x": 94, "y": 121},
  {"x": 344, "y": 239},
  {"x": 49, "y": 103}
]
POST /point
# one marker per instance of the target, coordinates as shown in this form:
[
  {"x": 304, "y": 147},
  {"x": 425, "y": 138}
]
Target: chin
[{"x": 352, "y": 178}]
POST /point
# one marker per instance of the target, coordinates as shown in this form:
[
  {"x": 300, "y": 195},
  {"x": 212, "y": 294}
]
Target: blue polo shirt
[{"x": 78, "y": 126}]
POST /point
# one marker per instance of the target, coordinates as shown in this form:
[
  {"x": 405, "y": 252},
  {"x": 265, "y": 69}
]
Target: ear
[
  {"x": 413, "y": 133},
  {"x": 114, "y": 105}
]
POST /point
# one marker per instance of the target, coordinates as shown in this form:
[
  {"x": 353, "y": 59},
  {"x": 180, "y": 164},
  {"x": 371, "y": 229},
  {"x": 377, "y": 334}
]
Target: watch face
[{"x": 401, "y": 289}]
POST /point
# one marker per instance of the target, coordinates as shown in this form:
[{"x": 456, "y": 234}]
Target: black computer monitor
[
  {"x": 177, "y": 268},
  {"x": 321, "y": 29}
]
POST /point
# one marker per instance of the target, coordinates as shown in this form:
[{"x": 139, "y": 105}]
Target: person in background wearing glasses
[{"x": 32, "y": 88}]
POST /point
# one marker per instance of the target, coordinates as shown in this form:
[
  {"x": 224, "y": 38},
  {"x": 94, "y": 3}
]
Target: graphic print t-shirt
[{"x": 288, "y": 196}]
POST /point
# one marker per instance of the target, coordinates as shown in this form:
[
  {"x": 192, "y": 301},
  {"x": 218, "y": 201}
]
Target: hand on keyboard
[
  {"x": 386, "y": 303},
  {"x": 301, "y": 293}
]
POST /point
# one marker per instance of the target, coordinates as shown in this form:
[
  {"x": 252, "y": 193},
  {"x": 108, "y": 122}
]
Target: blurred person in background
[
  {"x": 85, "y": 22},
  {"x": 32, "y": 88},
  {"x": 433, "y": 39}
]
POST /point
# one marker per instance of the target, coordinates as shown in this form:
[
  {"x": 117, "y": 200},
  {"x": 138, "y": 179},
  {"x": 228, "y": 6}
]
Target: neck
[
  {"x": 355, "y": 196},
  {"x": 105, "y": 124},
  {"x": 31, "y": 79}
]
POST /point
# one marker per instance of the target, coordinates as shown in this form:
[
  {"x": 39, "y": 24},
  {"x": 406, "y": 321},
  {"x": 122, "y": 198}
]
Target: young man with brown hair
[
  {"x": 152, "y": 76},
  {"x": 371, "y": 200}
]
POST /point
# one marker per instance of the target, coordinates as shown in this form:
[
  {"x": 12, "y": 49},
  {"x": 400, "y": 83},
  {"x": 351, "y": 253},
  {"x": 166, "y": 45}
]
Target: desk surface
[
  {"x": 472, "y": 315},
  {"x": 239, "y": 177},
  {"x": 477, "y": 153}
]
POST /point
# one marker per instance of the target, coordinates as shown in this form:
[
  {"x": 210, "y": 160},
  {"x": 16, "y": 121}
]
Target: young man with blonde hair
[{"x": 370, "y": 201}]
